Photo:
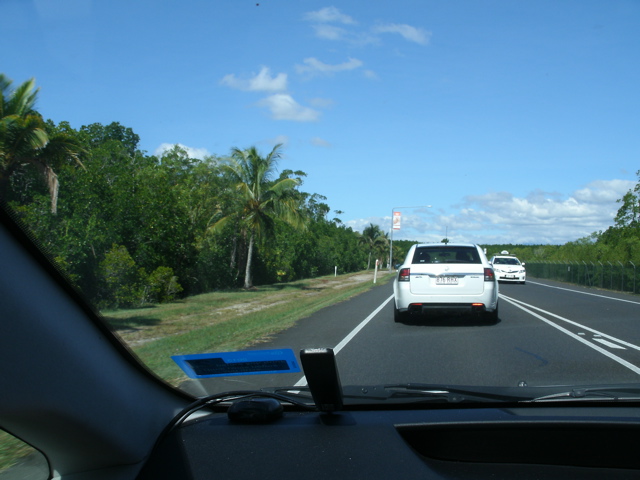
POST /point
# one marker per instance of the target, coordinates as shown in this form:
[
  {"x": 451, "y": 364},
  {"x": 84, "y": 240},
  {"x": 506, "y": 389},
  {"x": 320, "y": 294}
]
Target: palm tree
[
  {"x": 375, "y": 241},
  {"x": 262, "y": 200},
  {"x": 382, "y": 246},
  {"x": 24, "y": 139}
]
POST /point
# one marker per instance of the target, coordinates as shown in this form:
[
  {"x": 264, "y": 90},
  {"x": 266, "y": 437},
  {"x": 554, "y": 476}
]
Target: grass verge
[{"x": 229, "y": 320}]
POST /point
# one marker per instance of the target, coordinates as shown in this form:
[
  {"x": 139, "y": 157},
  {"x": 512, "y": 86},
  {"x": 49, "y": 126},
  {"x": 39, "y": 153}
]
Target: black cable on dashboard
[{"x": 217, "y": 398}]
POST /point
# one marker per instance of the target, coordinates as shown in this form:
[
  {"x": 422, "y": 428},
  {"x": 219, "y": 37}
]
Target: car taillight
[
  {"x": 489, "y": 276},
  {"x": 403, "y": 275}
]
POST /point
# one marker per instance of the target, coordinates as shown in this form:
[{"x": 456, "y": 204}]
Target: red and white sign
[{"x": 397, "y": 216}]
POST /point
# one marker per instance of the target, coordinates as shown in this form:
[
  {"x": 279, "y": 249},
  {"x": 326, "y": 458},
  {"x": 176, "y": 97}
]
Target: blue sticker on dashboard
[{"x": 225, "y": 364}]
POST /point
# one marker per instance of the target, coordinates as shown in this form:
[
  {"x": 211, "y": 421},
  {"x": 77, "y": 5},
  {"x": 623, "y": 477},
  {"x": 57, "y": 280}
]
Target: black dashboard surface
[{"x": 461, "y": 443}]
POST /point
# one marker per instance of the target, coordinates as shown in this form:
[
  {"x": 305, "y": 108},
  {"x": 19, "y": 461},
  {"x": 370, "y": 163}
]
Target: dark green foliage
[
  {"x": 376, "y": 243},
  {"x": 162, "y": 286},
  {"x": 122, "y": 278},
  {"x": 400, "y": 250},
  {"x": 122, "y": 214}
]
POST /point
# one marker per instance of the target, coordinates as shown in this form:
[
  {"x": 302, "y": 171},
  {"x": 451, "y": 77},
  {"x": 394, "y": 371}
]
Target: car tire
[
  {"x": 398, "y": 316},
  {"x": 491, "y": 317}
]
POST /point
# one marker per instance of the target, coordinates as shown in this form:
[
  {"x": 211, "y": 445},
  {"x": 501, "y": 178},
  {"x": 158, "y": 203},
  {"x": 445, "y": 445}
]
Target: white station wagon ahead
[{"x": 445, "y": 278}]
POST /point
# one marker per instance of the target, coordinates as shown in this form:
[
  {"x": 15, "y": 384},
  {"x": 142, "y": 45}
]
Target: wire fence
[{"x": 609, "y": 275}]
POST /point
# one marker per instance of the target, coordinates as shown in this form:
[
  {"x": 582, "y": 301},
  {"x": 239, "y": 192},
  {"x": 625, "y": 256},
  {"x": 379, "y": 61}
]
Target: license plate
[{"x": 446, "y": 280}]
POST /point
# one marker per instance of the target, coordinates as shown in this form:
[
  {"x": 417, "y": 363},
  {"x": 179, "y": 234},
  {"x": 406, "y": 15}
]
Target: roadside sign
[{"x": 397, "y": 216}]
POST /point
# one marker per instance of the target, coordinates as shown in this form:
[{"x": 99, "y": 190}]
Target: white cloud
[
  {"x": 321, "y": 102},
  {"x": 280, "y": 139},
  {"x": 370, "y": 74},
  {"x": 284, "y": 107},
  {"x": 330, "y": 32},
  {"x": 313, "y": 65},
  {"x": 412, "y": 34},
  {"x": 501, "y": 217},
  {"x": 198, "y": 153},
  {"x": 260, "y": 82},
  {"x": 320, "y": 142},
  {"x": 329, "y": 15},
  {"x": 331, "y": 24},
  {"x": 604, "y": 191}
]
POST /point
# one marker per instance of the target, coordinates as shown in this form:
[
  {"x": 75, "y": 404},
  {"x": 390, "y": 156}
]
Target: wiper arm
[
  {"x": 413, "y": 393},
  {"x": 451, "y": 394},
  {"x": 593, "y": 393},
  {"x": 425, "y": 393},
  {"x": 350, "y": 392},
  {"x": 433, "y": 393}
]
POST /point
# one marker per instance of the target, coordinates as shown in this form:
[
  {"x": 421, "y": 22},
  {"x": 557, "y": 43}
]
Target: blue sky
[{"x": 516, "y": 121}]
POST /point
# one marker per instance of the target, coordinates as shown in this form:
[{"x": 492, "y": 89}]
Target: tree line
[{"x": 131, "y": 228}]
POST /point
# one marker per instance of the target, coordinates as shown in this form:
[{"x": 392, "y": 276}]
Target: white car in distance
[{"x": 509, "y": 268}]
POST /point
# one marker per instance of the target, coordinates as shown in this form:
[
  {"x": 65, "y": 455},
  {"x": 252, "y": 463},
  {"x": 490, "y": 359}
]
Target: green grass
[
  {"x": 11, "y": 450},
  {"x": 227, "y": 321}
]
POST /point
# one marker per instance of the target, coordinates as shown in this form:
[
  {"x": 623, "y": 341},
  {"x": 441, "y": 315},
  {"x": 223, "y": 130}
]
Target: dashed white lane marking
[{"x": 529, "y": 309}]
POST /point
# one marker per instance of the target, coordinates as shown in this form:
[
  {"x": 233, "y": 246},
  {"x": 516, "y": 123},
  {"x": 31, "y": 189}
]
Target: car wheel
[
  {"x": 398, "y": 316},
  {"x": 491, "y": 317}
]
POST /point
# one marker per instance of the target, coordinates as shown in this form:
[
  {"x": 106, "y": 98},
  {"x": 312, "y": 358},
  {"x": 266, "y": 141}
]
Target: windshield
[
  {"x": 506, "y": 261},
  {"x": 231, "y": 182}
]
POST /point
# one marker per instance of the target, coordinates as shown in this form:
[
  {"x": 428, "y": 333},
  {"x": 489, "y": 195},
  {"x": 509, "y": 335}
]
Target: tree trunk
[
  {"x": 248, "y": 282},
  {"x": 232, "y": 261},
  {"x": 51, "y": 179}
]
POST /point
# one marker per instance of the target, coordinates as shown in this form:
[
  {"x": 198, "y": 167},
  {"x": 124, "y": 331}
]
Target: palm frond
[
  {"x": 22, "y": 100},
  {"x": 220, "y": 225},
  {"x": 21, "y": 136},
  {"x": 60, "y": 147}
]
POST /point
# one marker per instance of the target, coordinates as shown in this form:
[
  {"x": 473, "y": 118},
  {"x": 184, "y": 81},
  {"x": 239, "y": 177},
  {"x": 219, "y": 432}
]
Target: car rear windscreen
[{"x": 446, "y": 254}]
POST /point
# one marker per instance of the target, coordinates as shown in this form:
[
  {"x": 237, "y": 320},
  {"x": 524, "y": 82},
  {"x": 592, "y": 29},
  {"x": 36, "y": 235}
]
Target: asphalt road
[{"x": 548, "y": 333}]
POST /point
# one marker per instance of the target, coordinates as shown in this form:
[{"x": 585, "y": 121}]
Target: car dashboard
[{"x": 457, "y": 443}]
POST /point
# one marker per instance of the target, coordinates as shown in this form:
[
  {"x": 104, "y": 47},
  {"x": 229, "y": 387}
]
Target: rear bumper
[
  {"x": 406, "y": 301},
  {"x": 451, "y": 308}
]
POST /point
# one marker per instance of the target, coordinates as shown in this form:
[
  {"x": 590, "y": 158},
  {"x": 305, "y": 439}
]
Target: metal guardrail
[{"x": 610, "y": 275}]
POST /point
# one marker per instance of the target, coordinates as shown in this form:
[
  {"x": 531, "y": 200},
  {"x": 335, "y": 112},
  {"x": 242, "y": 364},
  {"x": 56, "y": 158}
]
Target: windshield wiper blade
[
  {"x": 607, "y": 393},
  {"x": 440, "y": 393},
  {"x": 453, "y": 394},
  {"x": 413, "y": 393},
  {"x": 349, "y": 392},
  {"x": 369, "y": 394}
]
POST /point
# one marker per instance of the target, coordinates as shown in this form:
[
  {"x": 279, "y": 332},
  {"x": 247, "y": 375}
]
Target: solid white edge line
[
  {"x": 303, "y": 381},
  {"x": 606, "y": 353},
  {"x": 584, "y": 293}
]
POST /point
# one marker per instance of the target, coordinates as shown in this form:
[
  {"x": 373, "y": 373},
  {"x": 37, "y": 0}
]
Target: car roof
[{"x": 445, "y": 245}]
